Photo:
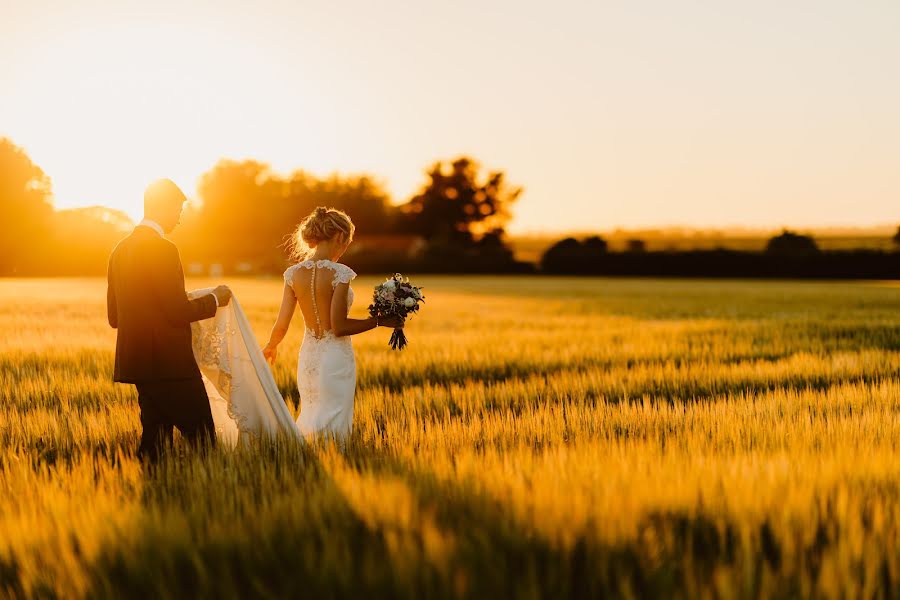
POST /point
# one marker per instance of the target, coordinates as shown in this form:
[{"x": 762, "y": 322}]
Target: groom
[{"x": 147, "y": 303}]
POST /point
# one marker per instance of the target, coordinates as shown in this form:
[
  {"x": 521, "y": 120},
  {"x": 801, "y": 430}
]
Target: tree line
[
  {"x": 788, "y": 255},
  {"x": 456, "y": 221}
]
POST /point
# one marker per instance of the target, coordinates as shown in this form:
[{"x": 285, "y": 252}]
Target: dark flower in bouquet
[{"x": 396, "y": 297}]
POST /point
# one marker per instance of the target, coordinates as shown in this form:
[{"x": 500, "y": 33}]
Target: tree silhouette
[
  {"x": 571, "y": 256},
  {"x": 561, "y": 255},
  {"x": 360, "y": 196},
  {"x": 83, "y": 239},
  {"x": 247, "y": 211},
  {"x": 491, "y": 247},
  {"x": 595, "y": 245},
  {"x": 458, "y": 204},
  {"x": 635, "y": 246},
  {"x": 789, "y": 243},
  {"x": 26, "y": 211},
  {"x": 896, "y": 238},
  {"x": 242, "y": 215}
]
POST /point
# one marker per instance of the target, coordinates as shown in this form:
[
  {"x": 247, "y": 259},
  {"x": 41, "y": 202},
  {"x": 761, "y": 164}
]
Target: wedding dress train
[{"x": 243, "y": 397}]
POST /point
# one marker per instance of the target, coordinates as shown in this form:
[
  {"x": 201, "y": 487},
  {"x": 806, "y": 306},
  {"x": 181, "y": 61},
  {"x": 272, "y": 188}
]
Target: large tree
[
  {"x": 247, "y": 211},
  {"x": 360, "y": 196},
  {"x": 458, "y": 203},
  {"x": 26, "y": 211},
  {"x": 896, "y": 238},
  {"x": 789, "y": 243},
  {"x": 240, "y": 218},
  {"x": 84, "y": 238}
]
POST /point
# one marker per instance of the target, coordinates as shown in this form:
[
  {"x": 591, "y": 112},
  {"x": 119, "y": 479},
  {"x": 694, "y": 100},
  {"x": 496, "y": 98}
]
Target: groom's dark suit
[{"x": 147, "y": 303}]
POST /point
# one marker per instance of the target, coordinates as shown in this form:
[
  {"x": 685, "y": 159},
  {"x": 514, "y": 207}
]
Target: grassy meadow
[{"x": 541, "y": 437}]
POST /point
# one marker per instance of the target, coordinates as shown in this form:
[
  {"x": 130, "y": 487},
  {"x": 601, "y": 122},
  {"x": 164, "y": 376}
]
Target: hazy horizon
[{"x": 617, "y": 115}]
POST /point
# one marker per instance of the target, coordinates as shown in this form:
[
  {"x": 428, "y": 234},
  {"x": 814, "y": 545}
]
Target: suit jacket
[{"x": 146, "y": 301}]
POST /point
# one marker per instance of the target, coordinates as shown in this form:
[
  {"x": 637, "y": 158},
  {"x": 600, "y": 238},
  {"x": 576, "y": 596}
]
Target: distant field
[
  {"x": 540, "y": 437},
  {"x": 532, "y": 247}
]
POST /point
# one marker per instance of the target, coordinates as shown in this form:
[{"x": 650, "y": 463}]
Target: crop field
[{"x": 540, "y": 437}]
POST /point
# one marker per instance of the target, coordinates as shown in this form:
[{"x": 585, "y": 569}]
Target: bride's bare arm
[
  {"x": 341, "y": 324},
  {"x": 344, "y": 325},
  {"x": 282, "y": 324}
]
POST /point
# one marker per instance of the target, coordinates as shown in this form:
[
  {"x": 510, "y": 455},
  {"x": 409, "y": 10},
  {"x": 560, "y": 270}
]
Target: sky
[{"x": 627, "y": 114}]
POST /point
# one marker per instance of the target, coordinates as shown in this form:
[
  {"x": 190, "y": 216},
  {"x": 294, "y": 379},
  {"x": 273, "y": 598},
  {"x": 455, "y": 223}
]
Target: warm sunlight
[
  {"x": 608, "y": 114},
  {"x": 469, "y": 299},
  {"x": 111, "y": 110}
]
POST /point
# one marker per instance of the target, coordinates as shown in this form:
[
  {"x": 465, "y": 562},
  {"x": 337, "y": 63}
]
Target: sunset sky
[{"x": 632, "y": 113}]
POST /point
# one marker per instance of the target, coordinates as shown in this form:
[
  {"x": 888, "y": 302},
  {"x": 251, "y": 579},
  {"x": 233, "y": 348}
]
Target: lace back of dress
[{"x": 312, "y": 292}]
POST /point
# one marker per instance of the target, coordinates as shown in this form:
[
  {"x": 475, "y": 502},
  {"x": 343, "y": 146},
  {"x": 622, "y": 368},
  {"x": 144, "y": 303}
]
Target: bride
[
  {"x": 320, "y": 286},
  {"x": 244, "y": 398}
]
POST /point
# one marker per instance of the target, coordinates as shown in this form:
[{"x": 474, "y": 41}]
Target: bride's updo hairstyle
[{"x": 320, "y": 225}]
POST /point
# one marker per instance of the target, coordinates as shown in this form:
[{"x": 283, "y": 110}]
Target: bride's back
[{"x": 320, "y": 278}]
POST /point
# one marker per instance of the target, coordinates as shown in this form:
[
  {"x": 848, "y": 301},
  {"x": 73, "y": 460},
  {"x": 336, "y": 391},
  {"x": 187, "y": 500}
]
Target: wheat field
[{"x": 540, "y": 437}]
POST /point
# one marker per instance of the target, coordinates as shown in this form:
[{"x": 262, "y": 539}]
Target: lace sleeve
[
  {"x": 342, "y": 274},
  {"x": 289, "y": 276}
]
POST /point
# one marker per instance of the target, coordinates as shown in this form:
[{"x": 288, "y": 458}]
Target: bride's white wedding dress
[
  {"x": 243, "y": 397},
  {"x": 326, "y": 367}
]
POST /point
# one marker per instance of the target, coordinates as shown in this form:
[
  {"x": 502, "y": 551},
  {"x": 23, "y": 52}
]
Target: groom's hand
[{"x": 222, "y": 294}]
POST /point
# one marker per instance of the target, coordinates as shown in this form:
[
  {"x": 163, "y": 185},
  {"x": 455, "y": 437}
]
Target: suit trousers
[{"x": 179, "y": 403}]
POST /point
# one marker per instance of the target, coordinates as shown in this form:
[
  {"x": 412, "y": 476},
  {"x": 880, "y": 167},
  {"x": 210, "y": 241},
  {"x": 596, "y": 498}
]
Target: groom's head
[{"x": 163, "y": 201}]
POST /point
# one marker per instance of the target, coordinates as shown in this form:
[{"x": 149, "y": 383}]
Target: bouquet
[{"x": 396, "y": 297}]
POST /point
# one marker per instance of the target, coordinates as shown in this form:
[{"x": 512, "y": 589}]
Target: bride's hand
[
  {"x": 270, "y": 353},
  {"x": 392, "y": 322}
]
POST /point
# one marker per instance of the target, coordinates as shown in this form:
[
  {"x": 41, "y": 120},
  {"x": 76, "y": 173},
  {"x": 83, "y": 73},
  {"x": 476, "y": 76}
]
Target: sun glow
[
  {"x": 110, "y": 110},
  {"x": 608, "y": 114}
]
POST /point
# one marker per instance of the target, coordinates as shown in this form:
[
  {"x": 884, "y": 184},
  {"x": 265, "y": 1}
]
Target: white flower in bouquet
[{"x": 409, "y": 302}]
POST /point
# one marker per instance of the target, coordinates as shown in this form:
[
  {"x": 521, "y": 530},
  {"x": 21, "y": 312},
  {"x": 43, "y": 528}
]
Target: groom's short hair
[{"x": 160, "y": 194}]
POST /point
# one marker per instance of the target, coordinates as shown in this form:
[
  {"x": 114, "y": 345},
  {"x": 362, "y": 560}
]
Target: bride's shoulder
[
  {"x": 342, "y": 273},
  {"x": 289, "y": 272}
]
